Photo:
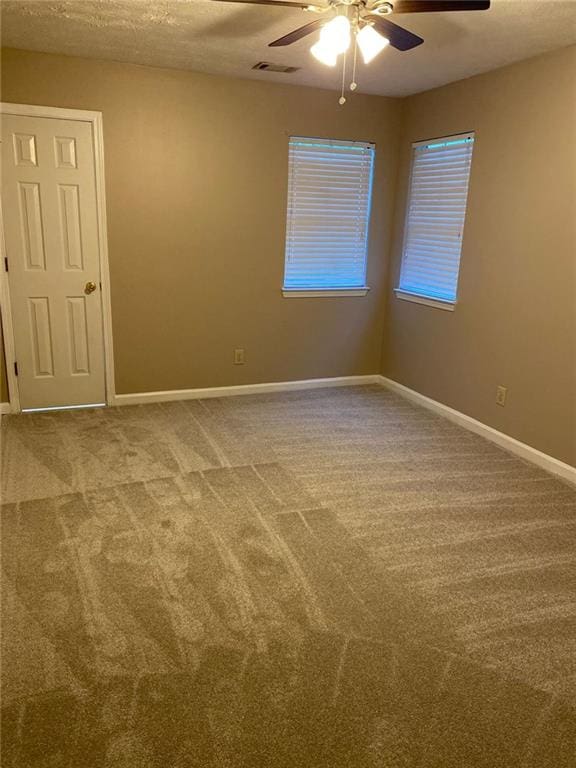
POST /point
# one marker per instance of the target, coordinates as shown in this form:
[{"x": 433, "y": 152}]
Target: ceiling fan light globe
[
  {"x": 370, "y": 43},
  {"x": 324, "y": 54},
  {"x": 336, "y": 34}
]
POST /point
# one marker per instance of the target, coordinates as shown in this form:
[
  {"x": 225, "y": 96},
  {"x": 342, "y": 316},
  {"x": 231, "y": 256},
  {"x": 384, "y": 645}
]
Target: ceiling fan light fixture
[
  {"x": 370, "y": 43},
  {"x": 336, "y": 34},
  {"x": 324, "y": 54}
]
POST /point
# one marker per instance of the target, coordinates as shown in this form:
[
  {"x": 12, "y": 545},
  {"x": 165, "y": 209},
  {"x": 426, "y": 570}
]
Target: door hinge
[
  {"x": 6, "y": 263},
  {"x": 16, "y": 369}
]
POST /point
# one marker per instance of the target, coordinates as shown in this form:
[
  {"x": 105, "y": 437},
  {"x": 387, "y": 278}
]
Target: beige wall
[
  {"x": 515, "y": 321},
  {"x": 196, "y": 182}
]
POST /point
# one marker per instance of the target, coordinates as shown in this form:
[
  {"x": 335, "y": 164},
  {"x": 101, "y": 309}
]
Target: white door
[{"x": 51, "y": 234}]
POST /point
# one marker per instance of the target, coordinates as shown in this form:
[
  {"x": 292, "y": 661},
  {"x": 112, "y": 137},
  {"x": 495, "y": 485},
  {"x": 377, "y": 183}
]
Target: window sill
[
  {"x": 417, "y": 299},
  {"x": 304, "y": 293}
]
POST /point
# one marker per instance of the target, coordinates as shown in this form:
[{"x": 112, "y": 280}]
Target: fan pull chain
[
  {"x": 342, "y": 99},
  {"x": 354, "y": 84}
]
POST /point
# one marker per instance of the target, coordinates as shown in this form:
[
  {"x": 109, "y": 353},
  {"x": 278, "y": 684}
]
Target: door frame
[{"x": 95, "y": 120}]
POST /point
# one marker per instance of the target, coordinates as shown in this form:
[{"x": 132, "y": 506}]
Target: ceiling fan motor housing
[{"x": 380, "y": 7}]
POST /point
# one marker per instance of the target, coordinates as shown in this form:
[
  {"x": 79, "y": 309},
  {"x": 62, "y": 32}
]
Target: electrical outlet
[
  {"x": 501, "y": 393},
  {"x": 239, "y": 357}
]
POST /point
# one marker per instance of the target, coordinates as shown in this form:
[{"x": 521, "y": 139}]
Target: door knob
[{"x": 90, "y": 287}]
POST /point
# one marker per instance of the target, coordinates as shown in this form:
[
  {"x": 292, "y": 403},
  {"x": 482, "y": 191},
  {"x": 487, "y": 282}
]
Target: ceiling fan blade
[
  {"x": 297, "y": 34},
  {"x": 435, "y": 6},
  {"x": 399, "y": 37},
  {"x": 284, "y": 3}
]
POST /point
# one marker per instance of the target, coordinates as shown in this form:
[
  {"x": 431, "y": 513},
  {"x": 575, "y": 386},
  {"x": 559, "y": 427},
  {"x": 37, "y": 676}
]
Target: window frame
[
  {"x": 421, "y": 298},
  {"x": 332, "y": 291}
]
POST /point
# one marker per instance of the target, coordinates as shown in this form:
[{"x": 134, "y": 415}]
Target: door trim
[{"x": 95, "y": 119}]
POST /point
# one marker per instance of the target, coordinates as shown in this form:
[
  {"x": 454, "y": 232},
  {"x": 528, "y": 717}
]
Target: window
[
  {"x": 329, "y": 193},
  {"x": 435, "y": 220}
]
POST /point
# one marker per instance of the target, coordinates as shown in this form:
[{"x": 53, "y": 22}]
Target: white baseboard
[
  {"x": 543, "y": 460},
  {"x": 241, "y": 389},
  {"x": 5, "y": 408}
]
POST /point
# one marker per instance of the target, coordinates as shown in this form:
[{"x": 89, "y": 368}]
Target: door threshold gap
[{"x": 63, "y": 408}]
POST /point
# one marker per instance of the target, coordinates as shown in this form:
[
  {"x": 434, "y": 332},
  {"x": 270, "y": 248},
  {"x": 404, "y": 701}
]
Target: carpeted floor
[{"x": 322, "y": 579}]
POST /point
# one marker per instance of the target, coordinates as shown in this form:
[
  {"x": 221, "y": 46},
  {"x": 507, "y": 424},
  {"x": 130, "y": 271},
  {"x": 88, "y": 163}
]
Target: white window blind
[
  {"x": 435, "y": 217},
  {"x": 329, "y": 195}
]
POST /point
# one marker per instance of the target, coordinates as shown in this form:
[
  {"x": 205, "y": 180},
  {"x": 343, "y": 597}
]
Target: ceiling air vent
[{"x": 267, "y": 67}]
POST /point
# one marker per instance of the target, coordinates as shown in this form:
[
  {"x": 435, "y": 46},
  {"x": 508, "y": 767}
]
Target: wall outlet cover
[{"x": 501, "y": 393}]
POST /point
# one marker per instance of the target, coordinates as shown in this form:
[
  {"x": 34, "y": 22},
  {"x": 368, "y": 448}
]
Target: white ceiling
[{"x": 228, "y": 39}]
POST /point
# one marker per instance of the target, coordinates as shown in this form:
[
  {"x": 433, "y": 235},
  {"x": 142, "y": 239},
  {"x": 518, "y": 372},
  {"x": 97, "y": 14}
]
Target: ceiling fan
[{"x": 363, "y": 19}]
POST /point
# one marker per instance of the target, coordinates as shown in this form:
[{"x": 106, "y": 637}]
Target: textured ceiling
[{"x": 228, "y": 39}]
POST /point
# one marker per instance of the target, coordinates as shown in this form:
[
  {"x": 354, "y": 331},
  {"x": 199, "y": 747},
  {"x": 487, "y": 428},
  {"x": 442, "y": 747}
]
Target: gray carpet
[{"x": 322, "y": 579}]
